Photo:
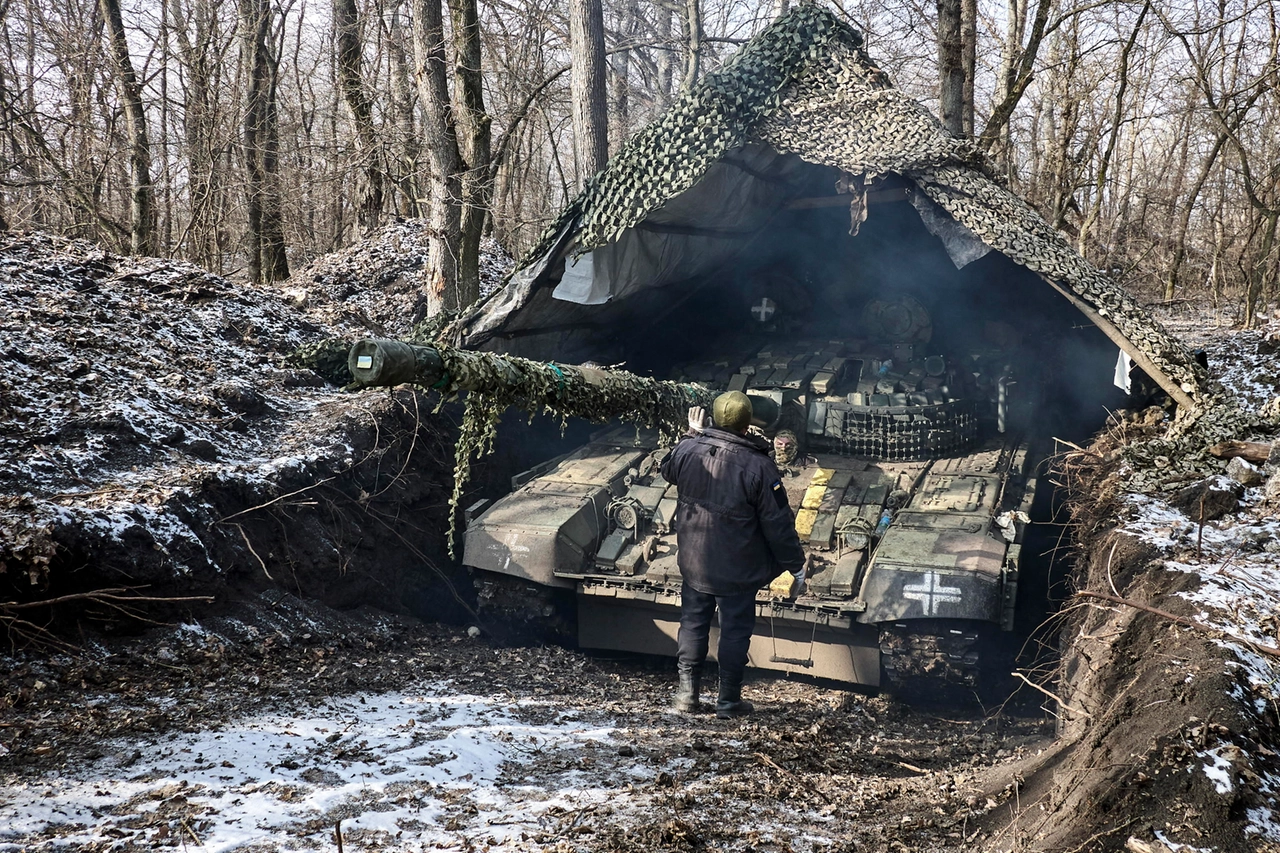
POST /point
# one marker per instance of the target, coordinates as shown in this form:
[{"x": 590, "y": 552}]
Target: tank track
[
  {"x": 517, "y": 611},
  {"x": 930, "y": 659}
]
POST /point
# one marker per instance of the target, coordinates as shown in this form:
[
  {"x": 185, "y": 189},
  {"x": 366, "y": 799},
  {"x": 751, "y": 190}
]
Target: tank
[{"x": 906, "y": 466}]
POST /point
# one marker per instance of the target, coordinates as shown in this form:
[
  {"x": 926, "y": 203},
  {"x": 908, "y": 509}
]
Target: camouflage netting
[
  {"x": 805, "y": 86},
  {"x": 499, "y": 382}
]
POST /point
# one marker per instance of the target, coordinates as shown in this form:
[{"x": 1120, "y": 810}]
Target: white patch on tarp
[
  {"x": 1123, "y": 365},
  {"x": 962, "y": 245},
  {"x": 583, "y": 282}
]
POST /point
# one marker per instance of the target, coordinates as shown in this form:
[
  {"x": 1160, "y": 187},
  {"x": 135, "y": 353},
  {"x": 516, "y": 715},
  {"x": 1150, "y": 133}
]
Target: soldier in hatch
[{"x": 735, "y": 532}]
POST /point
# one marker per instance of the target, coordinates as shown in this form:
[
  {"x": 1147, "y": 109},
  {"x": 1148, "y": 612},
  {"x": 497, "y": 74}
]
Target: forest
[{"x": 252, "y": 137}]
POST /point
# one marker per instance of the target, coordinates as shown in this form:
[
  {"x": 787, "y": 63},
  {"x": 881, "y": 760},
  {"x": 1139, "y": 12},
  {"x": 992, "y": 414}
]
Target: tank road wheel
[
  {"x": 516, "y": 611},
  {"x": 931, "y": 661}
]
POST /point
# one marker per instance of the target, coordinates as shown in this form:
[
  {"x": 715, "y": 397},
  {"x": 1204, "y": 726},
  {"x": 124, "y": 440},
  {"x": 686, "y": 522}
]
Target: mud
[{"x": 816, "y": 768}]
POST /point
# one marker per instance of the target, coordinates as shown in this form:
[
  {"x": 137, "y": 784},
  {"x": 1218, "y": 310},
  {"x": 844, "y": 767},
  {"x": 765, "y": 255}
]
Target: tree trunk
[
  {"x": 474, "y": 145},
  {"x": 407, "y": 144},
  {"x": 950, "y": 67},
  {"x": 198, "y": 127},
  {"x": 346, "y": 27},
  {"x": 141, "y": 192},
  {"x": 969, "y": 61},
  {"x": 620, "y": 117},
  {"x": 441, "y": 142},
  {"x": 1260, "y": 269},
  {"x": 587, "y": 86},
  {"x": 266, "y": 250},
  {"x": 666, "y": 54},
  {"x": 691, "y": 29}
]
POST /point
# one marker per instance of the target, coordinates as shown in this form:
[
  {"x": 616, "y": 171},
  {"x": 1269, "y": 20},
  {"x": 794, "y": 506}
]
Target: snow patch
[
  {"x": 1218, "y": 769},
  {"x": 379, "y": 763}
]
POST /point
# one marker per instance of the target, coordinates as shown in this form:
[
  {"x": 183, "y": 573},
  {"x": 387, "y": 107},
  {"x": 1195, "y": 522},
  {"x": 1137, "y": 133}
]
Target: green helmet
[{"x": 732, "y": 411}]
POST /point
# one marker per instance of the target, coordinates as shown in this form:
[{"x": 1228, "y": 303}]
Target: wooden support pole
[{"x": 1173, "y": 389}]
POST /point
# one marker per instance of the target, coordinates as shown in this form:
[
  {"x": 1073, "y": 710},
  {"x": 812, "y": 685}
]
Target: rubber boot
[
  {"x": 731, "y": 704},
  {"x": 686, "y": 699}
]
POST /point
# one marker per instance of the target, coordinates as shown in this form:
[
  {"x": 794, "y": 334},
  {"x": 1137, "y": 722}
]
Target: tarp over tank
[{"x": 800, "y": 103}]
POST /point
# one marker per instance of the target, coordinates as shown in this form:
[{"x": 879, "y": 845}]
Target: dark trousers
[{"x": 737, "y": 620}]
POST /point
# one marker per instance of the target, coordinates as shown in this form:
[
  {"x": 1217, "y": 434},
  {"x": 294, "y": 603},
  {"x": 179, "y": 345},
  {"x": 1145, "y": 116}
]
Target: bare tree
[
  {"x": 951, "y": 76},
  {"x": 474, "y": 143},
  {"x": 1117, "y": 122},
  {"x": 141, "y": 192},
  {"x": 259, "y": 56},
  {"x": 346, "y": 27},
  {"x": 587, "y": 86},
  {"x": 1016, "y": 73},
  {"x": 441, "y": 142},
  {"x": 968, "y": 62},
  {"x": 690, "y": 13}
]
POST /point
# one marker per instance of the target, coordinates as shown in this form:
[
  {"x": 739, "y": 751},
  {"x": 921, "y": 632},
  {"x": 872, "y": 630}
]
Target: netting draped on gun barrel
[{"x": 496, "y": 383}]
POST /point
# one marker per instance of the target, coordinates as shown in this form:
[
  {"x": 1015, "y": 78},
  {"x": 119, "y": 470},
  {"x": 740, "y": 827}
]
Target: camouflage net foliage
[
  {"x": 326, "y": 356},
  {"x": 496, "y": 383},
  {"x": 1180, "y": 456},
  {"x": 805, "y": 86}
]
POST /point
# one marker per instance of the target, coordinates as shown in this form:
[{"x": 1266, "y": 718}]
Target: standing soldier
[{"x": 734, "y": 533}]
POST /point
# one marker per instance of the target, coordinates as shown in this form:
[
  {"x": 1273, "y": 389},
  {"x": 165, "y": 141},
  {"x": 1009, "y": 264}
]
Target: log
[{"x": 1251, "y": 451}]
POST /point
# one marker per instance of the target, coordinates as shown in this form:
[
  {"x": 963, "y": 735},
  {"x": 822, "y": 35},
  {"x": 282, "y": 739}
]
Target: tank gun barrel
[{"x": 593, "y": 393}]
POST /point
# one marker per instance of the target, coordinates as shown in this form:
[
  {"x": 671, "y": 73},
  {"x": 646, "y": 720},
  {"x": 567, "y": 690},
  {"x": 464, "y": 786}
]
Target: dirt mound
[
  {"x": 377, "y": 284},
  {"x": 1170, "y": 655},
  {"x": 155, "y": 443}
]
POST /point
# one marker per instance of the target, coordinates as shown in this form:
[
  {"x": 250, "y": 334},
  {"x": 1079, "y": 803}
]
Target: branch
[
  {"x": 101, "y": 595},
  {"x": 1200, "y": 626}
]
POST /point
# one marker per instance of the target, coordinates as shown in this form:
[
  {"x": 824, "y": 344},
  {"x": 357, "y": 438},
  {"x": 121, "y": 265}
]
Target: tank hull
[
  {"x": 833, "y": 648},
  {"x": 599, "y": 522}
]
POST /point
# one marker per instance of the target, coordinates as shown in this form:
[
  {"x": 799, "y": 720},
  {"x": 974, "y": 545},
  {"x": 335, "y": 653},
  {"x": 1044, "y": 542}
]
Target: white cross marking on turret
[
  {"x": 930, "y": 593},
  {"x": 764, "y": 310}
]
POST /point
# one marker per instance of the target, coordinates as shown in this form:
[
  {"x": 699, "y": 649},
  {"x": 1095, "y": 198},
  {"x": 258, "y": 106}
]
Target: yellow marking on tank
[
  {"x": 817, "y": 488},
  {"x": 808, "y": 513},
  {"x": 805, "y": 519}
]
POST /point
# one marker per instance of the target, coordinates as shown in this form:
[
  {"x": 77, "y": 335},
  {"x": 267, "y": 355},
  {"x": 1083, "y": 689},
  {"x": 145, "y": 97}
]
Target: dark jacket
[{"x": 735, "y": 531}]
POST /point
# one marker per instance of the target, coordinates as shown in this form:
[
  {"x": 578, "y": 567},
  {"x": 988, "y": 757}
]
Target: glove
[
  {"x": 697, "y": 419},
  {"x": 803, "y": 574}
]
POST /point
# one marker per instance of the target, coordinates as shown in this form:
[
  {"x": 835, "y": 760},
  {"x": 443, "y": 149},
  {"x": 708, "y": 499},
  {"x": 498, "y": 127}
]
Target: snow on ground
[
  {"x": 1239, "y": 600},
  {"x": 1237, "y": 561},
  {"x": 116, "y": 369},
  {"x": 381, "y": 765},
  {"x": 379, "y": 283}
]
